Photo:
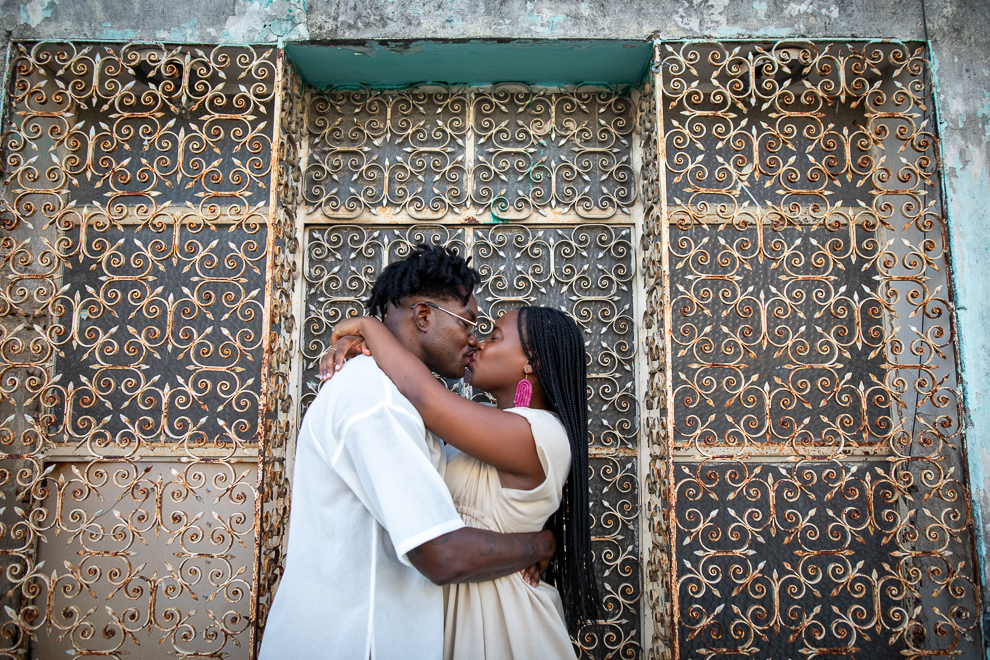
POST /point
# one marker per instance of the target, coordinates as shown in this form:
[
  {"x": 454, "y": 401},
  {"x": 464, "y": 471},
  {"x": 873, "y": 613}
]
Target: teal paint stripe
[
  {"x": 5, "y": 79},
  {"x": 964, "y": 197},
  {"x": 390, "y": 64}
]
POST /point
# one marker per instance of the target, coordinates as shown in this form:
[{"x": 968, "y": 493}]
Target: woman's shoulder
[
  {"x": 554, "y": 451},
  {"x": 548, "y": 431}
]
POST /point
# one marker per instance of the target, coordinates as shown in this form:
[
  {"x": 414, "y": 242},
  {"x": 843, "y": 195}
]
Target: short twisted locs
[{"x": 432, "y": 271}]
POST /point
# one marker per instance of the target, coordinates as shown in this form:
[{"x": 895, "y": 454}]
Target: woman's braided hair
[
  {"x": 432, "y": 271},
  {"x": 554, "y": 345}
]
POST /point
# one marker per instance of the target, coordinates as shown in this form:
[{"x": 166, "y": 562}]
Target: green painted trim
[
  {"x": 4, "y": 80},
  {"x": 476, "y": 62}
]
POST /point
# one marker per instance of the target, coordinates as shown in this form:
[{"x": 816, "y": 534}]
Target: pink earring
[{"x": 524, "y": 394}]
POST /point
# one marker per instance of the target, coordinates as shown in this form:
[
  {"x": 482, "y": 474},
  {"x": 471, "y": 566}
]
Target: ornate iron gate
[
  {"x": 768, "y": 316},
  {"x": 537, "y": 186},
  {"x": 145, "y": 347},
  {"x": 808, "y": 474}
]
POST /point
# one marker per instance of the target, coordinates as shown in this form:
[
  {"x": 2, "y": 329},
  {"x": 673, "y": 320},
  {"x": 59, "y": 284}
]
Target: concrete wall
[
  {"x": 270, "y": 20},
  {"x": 956, "y": 29}
]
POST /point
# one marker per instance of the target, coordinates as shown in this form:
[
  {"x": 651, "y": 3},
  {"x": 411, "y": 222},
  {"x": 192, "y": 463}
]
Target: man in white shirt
[{"x": 373, "y": 530}]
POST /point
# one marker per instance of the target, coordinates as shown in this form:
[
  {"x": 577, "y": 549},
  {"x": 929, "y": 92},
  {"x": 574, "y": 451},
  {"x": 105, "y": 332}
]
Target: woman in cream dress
[{"x": 509, "y": 469}]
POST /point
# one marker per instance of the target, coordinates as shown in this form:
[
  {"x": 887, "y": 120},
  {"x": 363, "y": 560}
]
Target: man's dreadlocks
[{"x": 429, "y": 270}]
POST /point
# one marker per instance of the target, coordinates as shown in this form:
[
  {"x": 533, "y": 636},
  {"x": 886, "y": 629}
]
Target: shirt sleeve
[{"x": 383, "y": 457}]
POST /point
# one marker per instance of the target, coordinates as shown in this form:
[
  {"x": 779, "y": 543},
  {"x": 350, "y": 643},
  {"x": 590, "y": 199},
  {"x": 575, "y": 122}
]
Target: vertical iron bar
[
  {"x": 266, "y": 346},
  {"x": 668, "y": 348}
]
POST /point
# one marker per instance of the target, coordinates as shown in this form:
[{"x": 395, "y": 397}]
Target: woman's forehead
[{"x": 509, "y": 318}]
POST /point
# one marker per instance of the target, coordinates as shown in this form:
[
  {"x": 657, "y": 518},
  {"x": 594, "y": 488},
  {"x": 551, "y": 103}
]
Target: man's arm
[{"x": 477, "y": 555}]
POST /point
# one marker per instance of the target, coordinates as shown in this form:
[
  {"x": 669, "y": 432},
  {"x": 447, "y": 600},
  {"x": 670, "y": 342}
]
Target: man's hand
[
  {"x": 548, "y": 548},
  {"x": 534, "y": 573}
]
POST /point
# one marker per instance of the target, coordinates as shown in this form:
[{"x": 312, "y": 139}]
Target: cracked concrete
[{"x": 267, "y": 21}]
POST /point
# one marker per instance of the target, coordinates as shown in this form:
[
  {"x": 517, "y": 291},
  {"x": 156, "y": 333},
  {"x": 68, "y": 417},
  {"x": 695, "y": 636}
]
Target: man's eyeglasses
[{"x": 470, "y": 326}]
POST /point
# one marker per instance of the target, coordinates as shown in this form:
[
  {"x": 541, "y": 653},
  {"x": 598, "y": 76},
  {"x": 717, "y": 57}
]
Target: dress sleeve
[
  {"x": 552, "y": 446},
  {"x": 383, "y": 457}
]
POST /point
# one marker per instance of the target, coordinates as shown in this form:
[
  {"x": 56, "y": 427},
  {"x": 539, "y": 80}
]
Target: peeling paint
[
  {"x": 265, "y": 21},
  {"x": 810, "y": 7},
  {"x": 688, "y": 19},
  {"x": 186, "y": 32},
  {"x": 407, "y": 50},
  {"x": 36, "y": 11},
  {"x": 544, "y": 24},
  {"x": 761, "y": 10},
  {"x": 794, "y": 9},
  {"x": 116, "y": 34},
  {"x": 476, "y": 62},
  {"x": 717, "y": 14},
  {"x": 967, "y": 179},
  {"x": 984, "y": 112}
]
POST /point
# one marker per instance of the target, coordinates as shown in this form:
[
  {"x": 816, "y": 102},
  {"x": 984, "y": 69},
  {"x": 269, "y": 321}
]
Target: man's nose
[{"x": 472, "y": 340}]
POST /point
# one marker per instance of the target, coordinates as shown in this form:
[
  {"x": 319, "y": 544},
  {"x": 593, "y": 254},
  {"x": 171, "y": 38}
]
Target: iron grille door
[
  {"x": 536, "y": 185},
  {"x": 145, "y": 251},
  {"x": 808, "y": 460}
]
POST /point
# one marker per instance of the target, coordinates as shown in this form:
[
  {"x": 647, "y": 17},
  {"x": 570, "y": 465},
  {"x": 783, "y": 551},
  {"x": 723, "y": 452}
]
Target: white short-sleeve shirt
[{"x": 367, "y": 488}]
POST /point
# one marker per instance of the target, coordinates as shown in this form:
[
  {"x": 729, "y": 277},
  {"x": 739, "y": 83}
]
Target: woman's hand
[
  {"x": 350, "y": 326},
  {"x": 534, "y": 573},
  {"x": 346, "y": 341},
  {"x": 343, "y": 349}
]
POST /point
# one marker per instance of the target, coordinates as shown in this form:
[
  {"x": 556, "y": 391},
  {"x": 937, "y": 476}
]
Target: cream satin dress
[{"x": 508, "y": 619}]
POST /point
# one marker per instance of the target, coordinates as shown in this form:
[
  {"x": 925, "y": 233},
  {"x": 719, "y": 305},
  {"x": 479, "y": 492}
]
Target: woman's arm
[{"x": 500, "y": 439}]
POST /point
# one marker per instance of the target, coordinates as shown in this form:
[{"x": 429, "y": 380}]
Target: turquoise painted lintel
[{"x": 476, "y": 62}]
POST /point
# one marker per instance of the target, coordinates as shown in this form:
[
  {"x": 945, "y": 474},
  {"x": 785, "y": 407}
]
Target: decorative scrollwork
[
  {"x": 811, "y": 323},
  {"x": 657, "y": 501},
  {"x": 799, "y": 411},
  {"x": 552, "y": 152},
  {"x": 280, "y": 411},
  {"x": 138, "y": 247},
  {"x": 430, "y": 153}
]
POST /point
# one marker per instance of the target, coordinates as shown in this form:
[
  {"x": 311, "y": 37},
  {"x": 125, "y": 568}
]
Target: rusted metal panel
[
  {"x": 818, "y": 493},
  {"x": 137, "y": 263}
]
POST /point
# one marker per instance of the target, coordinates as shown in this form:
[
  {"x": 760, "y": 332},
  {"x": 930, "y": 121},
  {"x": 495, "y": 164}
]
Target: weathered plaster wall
[
  {"x": 271, "y": 20},
  {"x": 962, "y": 69},
  {"x": 956, "y": 28},
  {"x": 235, "y": 21}
]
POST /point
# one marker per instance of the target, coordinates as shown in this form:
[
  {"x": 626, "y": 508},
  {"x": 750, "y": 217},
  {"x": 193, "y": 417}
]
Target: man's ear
[{"x": 422, "y": 317}]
